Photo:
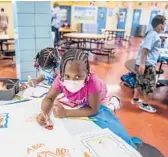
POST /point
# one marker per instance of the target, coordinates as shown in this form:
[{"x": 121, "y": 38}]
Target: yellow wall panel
[
  {"x": 8, "y": 9},
  {"x": 111, "y": 20}
]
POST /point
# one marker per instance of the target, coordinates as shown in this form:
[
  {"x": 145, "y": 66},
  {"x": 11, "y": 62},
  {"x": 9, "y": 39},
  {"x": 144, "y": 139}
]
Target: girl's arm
[
  {"x": 40, "y": 79},
  {"x": 36, "y": 81},
  {"x": 92, "y": 109},
  {"x": 47, "y": 102}
]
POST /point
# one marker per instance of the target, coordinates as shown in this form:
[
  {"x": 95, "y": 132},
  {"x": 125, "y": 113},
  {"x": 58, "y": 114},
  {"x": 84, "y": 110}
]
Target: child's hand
[
  {"x": 43, "y": 119},
  {"x": 141, "y": 69},
  {"x": 59, "y": 111},
  {"x": 33, "y": 82}
]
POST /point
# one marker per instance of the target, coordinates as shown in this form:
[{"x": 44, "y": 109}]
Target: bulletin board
[
  {"x": 63, "y": 14},
  {"x": 122, "y": 16},
  {"x": 84, "y": 14}
]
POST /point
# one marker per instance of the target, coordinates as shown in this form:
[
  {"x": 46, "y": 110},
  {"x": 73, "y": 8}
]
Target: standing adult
[
  {"x": 55, "y": 22},
  {"x": 3, "y": 21}
]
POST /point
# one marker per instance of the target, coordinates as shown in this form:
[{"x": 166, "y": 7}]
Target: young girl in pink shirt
[{"x": 82, "y": 90}]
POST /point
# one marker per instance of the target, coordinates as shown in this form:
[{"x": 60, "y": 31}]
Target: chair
[
  {"x": 106, "y": 47},
  {"x": 9, "y": 53},
  {"x": 8, "y": 43}
]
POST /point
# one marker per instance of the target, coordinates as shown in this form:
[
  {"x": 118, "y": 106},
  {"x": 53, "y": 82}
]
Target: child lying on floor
[
  {"x": 46, "y": 61},
  {"x": 82, "y": 88}
]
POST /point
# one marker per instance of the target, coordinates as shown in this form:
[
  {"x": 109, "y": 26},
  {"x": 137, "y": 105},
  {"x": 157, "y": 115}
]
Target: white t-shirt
[{"x": 56, "y": 17}]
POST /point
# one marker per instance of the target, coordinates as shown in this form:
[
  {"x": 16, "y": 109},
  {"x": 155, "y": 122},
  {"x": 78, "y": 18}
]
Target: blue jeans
[{"x": 57, "y": 34}]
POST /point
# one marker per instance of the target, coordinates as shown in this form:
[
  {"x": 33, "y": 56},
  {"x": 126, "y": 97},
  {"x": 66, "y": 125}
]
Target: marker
[
  {"x": 29, "y": 79},
  {"x": 48, "y": 125}
]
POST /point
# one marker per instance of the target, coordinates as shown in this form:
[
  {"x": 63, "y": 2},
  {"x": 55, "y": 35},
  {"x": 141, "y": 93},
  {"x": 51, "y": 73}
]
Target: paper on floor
[
  {"x": 36, "y": 92},
  {"x": 24, "y": 137},
  {"x": 38, "y": 145},
  {"x": 104, "y": 143},
  {"x": 77, "y": 126}
]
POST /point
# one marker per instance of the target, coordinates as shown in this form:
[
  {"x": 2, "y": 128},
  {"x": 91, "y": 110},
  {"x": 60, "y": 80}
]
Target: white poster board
[
  {"x": 63, "y": 14},
  {"x": 84, "y": 14},
  {"x": 104, "y": 143},
  {"x": 122, "y": 16}
]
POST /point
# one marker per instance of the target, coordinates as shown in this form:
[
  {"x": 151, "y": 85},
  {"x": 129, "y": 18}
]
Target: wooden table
[
  {"x": 3, "y": 38},
  {"x": 66, "y": 30},
  {"x": 96, "y": 43},
  {"x": 115, "y": 33},
  {"x": 82, "y": 38},
  {"x": 164, "y": 35},
  {"x": 114, "y": 30},
  {"x": 130, "y": 65},
  {"x": 85, "y": 36}
]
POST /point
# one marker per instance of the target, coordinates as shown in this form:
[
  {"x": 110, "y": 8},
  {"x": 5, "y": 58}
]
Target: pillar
[{"x": 32, "y": 23}]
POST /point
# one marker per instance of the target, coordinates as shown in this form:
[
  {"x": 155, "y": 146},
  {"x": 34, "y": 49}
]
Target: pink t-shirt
[{"x": 92, "y": 86}]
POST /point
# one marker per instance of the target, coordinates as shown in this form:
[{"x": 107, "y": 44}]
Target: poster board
[
  {"x": 84, "y": 14},
  {"x": 122, "y": 16},
  {"x": 104, "y": 143},
  {"x": 63, "y": 15}
]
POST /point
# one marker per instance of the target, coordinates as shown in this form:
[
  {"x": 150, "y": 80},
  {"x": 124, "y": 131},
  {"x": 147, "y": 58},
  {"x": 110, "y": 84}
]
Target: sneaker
[
  {"x": 147, "y": 108},
  {"x": 114, "y": 103},
  {"x": 138, "y": 101}
]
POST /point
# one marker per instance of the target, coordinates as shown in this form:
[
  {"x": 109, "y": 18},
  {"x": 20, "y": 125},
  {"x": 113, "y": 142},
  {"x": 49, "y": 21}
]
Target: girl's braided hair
[
  {"x": 47, "y": 58},
  {"x": 74, "y": 54}
]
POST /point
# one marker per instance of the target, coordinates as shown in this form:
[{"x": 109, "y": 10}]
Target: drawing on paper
[
  {"x": 106, "y": 144},
  {"x": 4, "y": 120},
  {"x": 41, "y": 150}
]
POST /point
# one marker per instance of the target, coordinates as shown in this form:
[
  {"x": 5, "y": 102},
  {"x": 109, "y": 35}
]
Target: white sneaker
[
  {"x": 139, "y": 101},
  {"x": 147, "y": 108},
  {"x": 114, "y": 103}
]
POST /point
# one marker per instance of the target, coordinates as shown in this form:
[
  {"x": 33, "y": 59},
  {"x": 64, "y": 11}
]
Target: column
[
  {"x": 32, "y": 23},
  {"x": 128, "y": 25}
]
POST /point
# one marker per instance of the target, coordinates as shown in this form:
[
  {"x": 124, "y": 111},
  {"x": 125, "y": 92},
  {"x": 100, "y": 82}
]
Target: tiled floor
[{"x": 152, "y": 128}]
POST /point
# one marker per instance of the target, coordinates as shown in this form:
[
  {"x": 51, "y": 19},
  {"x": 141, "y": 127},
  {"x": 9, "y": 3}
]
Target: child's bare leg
[
  {"x": 135, "y": 99},
  {"x": 136, "y": 93}
]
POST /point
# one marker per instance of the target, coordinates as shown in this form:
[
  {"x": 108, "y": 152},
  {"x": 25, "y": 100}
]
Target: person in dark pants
[{"x": 55, "y": 22}]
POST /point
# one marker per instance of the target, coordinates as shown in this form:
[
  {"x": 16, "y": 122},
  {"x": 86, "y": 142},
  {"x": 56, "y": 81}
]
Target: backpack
[{"x": 129, "y": 79}]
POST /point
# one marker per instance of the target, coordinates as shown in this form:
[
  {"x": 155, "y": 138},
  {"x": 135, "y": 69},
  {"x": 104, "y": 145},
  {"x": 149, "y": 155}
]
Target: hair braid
[
  {"x": 47, "y": 58},
  {"x": 74, "y": 54}
]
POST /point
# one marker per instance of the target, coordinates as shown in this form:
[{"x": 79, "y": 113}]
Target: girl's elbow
[{"x": 95, "y": 111}]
